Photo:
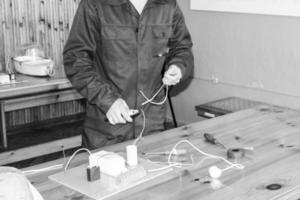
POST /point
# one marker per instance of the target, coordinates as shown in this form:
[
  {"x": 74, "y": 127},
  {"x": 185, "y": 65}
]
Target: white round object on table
[{"x": 215, "y": 172}]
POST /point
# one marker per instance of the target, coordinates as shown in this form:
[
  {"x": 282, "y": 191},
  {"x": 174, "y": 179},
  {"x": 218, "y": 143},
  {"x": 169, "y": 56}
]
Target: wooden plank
[
  {"x": 33, "y": 85},
  {"x": 3, "y": 125},
  {"x": 39, "y": 100},
  {"x": 263, "y": 128},
  {"x": 38, "y": 150}
]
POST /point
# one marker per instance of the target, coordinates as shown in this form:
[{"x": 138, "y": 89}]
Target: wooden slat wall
[
  {"x": 27, "y": 116},
  {"x": 45, "y": 22}
]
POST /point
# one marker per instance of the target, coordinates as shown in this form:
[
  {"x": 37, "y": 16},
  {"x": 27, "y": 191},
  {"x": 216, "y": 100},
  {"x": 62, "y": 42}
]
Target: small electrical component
[
  {"x": 236, "y": 153},
  {"x": 132, "y": 175},
  {"x": 93, "y": 173},
  {"x": 110, "y": 163},
  {"x": 113, "y": 167},
  {"x": 132, "y": 155}
]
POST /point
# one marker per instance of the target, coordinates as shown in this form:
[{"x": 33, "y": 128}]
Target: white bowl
[{"x": 34, "y": 66}]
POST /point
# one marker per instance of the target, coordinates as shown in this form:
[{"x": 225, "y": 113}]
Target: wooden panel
[
  {"x": 39, "y": 100},
  {"x": 29, "y": 85},
  {"x": 3, "y": 125},
  {"x": 51, "y": 113},
  {"x": 45, "y": 22},
  {"x": 38, "y": 150}
]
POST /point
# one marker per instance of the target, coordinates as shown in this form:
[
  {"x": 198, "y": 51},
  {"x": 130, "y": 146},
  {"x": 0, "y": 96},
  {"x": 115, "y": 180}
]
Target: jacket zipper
[{"x": 137, "y": 53}]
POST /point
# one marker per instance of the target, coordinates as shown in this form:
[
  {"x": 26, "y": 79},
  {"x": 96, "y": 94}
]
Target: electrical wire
[
  {"x": 53, "y": 167},
  {"x": 179, "y": 165},
  {"x": 135, "y": 141},
  {"x": 74, "y": 154},
  {"x": 172, "y": 164},
  {"x": 143, "y": 129},
  {"x": 238, "y": 166},
  {"x": 163, "y": 168},
  {"x": 150, "y": 100}
]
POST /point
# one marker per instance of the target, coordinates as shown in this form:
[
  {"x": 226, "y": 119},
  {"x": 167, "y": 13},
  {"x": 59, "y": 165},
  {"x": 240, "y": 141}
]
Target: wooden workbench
[
  {"x": 26, "y": 85},
  {"x": 28, "y": 92},
  {"x": 273, "y": 132}
]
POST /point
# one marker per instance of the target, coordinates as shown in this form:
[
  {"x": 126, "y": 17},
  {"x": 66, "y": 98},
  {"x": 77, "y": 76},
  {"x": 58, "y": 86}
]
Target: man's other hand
[
  {"x": 172, "y": 76},
  {"x": 118, "y": 113}
]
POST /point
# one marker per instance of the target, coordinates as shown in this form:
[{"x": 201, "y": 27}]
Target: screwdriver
[{"x": 211, "y": 139}]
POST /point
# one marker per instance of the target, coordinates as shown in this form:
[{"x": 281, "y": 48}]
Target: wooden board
[
  {"x": 33, "y": 85},
  {"x": 269, "y": 130},
  {"x": 75, "y": 179},
  {"x": 40, "y": 100},
  {"x": 38, "y": 150}
]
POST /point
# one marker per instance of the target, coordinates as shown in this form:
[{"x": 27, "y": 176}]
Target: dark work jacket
[{"x": 113, "y": 52}]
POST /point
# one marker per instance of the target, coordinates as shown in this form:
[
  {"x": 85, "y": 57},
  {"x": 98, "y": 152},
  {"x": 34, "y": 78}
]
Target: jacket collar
[{"x": 120, "y": 2}]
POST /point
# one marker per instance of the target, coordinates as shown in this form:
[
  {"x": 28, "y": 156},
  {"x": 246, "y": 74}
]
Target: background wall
[
  {"x": 250, "y": 56},
  {"x": 43, "y": 22}
]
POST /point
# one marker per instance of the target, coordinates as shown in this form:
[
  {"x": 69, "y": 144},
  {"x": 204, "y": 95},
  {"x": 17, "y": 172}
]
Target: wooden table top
[
  {"x": 25, "y": 85},
  {"x": 273, "y": 132}
]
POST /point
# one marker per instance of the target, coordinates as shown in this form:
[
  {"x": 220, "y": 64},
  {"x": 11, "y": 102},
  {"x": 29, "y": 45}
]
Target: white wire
[
  {"x": 164, "y": 167},
  {"x": 43, "y": 169},
  {"x": 150, "y": 100},
  {"x": 143, "y": 129},
  {"x": 74, "y": 154},
  {"x": 238, "y": 166},
  {"x": 58, "y": 166},
  {"x": 177, "y": 164}
]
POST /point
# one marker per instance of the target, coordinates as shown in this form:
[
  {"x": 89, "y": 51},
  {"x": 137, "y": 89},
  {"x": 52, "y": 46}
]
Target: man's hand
[
  {"x": 118, "y": 113},
  {"x": 172, "y": 76}
]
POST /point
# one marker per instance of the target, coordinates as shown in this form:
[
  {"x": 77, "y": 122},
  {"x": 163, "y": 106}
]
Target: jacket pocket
[
  {"x": 161, "y": 32},
  {"x": 115, "y": 32},
  {"x": 160, "y": 36}
]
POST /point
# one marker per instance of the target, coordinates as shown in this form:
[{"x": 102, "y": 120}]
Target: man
[{"x": 117, "y": 48}]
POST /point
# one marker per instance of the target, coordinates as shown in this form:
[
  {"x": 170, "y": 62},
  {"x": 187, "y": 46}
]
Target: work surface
[
  {"x": 273, "y": 132},
  {"x": 25, "y": 85}
]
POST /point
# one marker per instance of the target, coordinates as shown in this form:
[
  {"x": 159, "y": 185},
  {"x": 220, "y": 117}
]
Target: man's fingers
[
  {"x": 110, "y": 120},
  {"x": 118, "y": 113},
  {"x": 125, "y": 112},
  {"x": 127, "y": 117},
  {"x": 119, "y": 119},
  {"x": 167, "y": 80},
  {"x": 172, "y": 75}
]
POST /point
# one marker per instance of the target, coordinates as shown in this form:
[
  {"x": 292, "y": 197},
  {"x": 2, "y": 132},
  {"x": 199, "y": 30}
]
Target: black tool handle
[{"x": 210, "y": 138}]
